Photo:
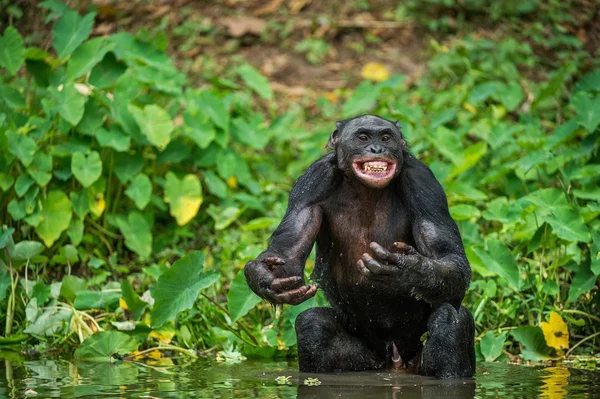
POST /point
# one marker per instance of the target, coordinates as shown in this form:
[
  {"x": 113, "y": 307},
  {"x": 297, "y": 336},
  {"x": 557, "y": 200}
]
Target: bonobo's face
[{"x": 369, "y": 148}]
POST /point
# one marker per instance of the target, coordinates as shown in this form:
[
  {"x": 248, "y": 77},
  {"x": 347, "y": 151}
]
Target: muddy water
[{"x": 259, "y": 379}]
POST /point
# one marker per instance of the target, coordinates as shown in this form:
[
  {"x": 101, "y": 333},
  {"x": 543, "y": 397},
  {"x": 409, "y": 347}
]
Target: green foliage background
[{"x": 113, "y": 165}]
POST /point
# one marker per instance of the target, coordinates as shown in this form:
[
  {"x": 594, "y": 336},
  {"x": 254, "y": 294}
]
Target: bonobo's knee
[{"x": 315, "y": 322}]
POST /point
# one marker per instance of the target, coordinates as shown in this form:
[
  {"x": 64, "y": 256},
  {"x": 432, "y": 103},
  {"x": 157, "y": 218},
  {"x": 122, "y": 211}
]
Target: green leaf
[
  {"x": 70, "y": 31},
  {"x": 25, "y": 250},
  {"x": 86, "y": 169},
  {"x": 240, "y": 298},
  {"x": 464, "y": 212},
  {"x": 215, "y": 108},
  {"x": 71, "y": 286},
  {"x": 224, "y": 217},
  {"x": 41, "y": 168},
  {"x": 87, "y": 299},
  {"x": 75, "y": 231},
  {"x": 87, "y": 56},
  {"x": 113, "y": 138},
  {"x": 6, "y": 181},
  {"x": 588, "y": 111},
  {"x": 183, "y": 196},
  {"x": 12, "y": 97},
  {"x": 137, "y": 233},
  {"x": 155, "y": 123},
  {"x": 215, "y": 185},
  {"x": 594, "y": 253},
  {"x": 127, "y": 166},
  {"x": 6, "y": 236},
  {"x": 362, "y": 101},
  {"x": 500, "y": 261},
  {"x": 140, "y": 190},
  {"x": 252, "y": 133},
  {"x": 178, "y": 288},
  {"x": 5, "y": 283},
  {"x": 55, "y": 217},
  {"x": 532, "y": 338},
  {"x": 199, "y": 129},
  {"x": 70, "y": 103},
  {"x": 583, "y": 282},
  {"x": 256, "y": 81},
  {"x": 106, "y": 347},
  {"x": 134, "y": 303},
  {"x": 21, "y": 146},
  {"x": 491, "y": 345},
  {"x": 106, "y": 73},
  {"x": 12, "y": 50},
  {"x": 23, "y": 183}
]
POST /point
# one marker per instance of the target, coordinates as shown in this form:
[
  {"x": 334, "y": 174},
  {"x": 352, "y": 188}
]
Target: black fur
[{"x": 382, "y": 295}]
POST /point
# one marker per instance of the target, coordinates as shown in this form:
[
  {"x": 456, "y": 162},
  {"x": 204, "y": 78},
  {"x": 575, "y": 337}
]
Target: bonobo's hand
[
  {"x": 261, "y": 276},
  {"x": 385, "y": 264}
]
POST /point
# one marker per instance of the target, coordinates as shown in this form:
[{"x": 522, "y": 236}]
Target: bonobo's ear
[
  {"x": 398, "y": 125},
  {"x": 334, "y": 137}
]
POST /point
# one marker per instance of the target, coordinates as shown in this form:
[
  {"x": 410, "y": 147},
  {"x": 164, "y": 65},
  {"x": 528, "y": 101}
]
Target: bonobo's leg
[
  {"x": 450, "y": 351},
  {"x": 324, "y": 344}
]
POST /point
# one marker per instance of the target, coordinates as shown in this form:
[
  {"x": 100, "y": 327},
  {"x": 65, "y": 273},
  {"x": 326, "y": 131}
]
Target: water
[{"x": 253, "y": 379}]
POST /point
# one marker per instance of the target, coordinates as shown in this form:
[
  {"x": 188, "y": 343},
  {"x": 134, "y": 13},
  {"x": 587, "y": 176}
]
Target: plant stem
[
  {"x": 239, "y": 323},
  {"x": 581, "y": 342},
  {"x": 10, "y": 309}
]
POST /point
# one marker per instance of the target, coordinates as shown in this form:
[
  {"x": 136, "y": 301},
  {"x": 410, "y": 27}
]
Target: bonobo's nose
[{"x": 375, "y": 149}]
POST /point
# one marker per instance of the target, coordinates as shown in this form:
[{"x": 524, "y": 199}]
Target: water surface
[{"x": 267, "y": 379}]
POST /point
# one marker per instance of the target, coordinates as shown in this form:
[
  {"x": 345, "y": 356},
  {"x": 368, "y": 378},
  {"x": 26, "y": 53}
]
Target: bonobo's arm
[
  {"x": 277, "y": 274},
  {"x": 437, "y": 270}
]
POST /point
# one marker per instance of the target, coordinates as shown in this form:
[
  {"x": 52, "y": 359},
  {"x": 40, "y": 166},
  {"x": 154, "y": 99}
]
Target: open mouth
[{"x": 375, "y": 172}]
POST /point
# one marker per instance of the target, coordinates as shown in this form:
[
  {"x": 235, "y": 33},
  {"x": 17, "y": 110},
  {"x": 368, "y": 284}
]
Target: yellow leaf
[
  {"x": 123, "y": 304},
  {"x": 375, "y": 71},
  {"x": 332, "y": 97},
  {"x": 97, "y": 204},
  {"x": 556, "y": 332},
  {"x": 470, "y": 108},
  {"x": 163, "y": 335},
  {"x": 155, "y": 354},
  {"x": 232, "y": 182},
  {"x": 183, "y": 196}
]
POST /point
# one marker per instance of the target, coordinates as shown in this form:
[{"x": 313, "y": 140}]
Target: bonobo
[{"x": 389, "y": 258}]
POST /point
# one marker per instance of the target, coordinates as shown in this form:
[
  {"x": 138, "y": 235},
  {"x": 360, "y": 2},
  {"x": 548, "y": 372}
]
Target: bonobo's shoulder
[
  {"x": 419, "y": 181},
  {"x": 317, "y": 182}
]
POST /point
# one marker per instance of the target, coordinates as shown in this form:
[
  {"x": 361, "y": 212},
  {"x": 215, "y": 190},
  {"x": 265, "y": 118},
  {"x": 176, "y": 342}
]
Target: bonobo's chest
[{"x": 354, "y": 220}]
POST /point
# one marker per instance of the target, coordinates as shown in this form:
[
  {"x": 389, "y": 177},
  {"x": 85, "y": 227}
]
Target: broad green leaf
[
  {"x": 113, "y": 138},
  {"x": 215, "y": 108},
  {"x": 595, "y": 253},
  {"x": 21, "y": 146},
  {"x": 240, "y": 298},
  {"x": 140, "y": 190},
  {"x": 464, "y": 212},
  {"x": 87, "y": 299},
  {"x": 592, "y": 193},
  {"x": 137, "y": 233},
  {"x": 50, "y": 322},
  {"x": 363, "y": 99},
  {"x": 87, "y": 56},
  {"x": 199, "y": 129},
  {"x": 252, "y": 132},
  {"x": 155, "y": 123},
  {"x": 25, "y": 250},
  {"x": 491, "y": 345},
  {"x": 510, "y": 95},
  {"x": 215, "y": 185},
  {"x": 106, "y": 347},
  {"x": 532, "y": 338},
  {"x": 583, "y": 282},
  {"x": 500, "y": 261},
  {"x": 5, "y": 283},
  {"x": 106, "y": 73},
  {"x": 70, "y": 31},
  {"x": 554, "y": 209},
  {"x": 70, "y": 103},
  {"x": 12, "y": 50},
  {"x": 224, "y": 217},
  {"x": 92, "y": 119},
  {"x": 55, "y": 217},
  {"x": 41, "y": 168},
  {"x": 183, "y": 196},
  {"x": 75, "y": 231},
  {"x": 128, "y": 165},
  {"x": 6, "y": 236},
  {"x": 589, "y": 82},
  {"x": 588, "y": 111},
  {"x": 256, "y": 81},
  {"x": 71, "y": 286},
  {"x": 23, "y": 183},
  {"x": 86, "y": 169},
  {"x": 135, "y": 305},
  {"x": 12, "y": 98},
  {"x": 501, "y": 210},
  {"x": 6, "y": 181},
  {"x": 178, "y": 288}
]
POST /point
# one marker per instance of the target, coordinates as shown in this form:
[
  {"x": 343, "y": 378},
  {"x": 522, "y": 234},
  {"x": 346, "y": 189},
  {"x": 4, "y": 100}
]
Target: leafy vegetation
[{"x": 114, "y": 168}]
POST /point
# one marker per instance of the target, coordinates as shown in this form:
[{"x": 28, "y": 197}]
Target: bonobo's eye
[
  {"x": 363, "y": 137},
  {"x": 386, "y": 138}
]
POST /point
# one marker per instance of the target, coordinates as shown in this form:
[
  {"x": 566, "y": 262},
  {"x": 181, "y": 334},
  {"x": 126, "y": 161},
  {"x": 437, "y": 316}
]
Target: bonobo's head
[{"x": 368, "y": 148}]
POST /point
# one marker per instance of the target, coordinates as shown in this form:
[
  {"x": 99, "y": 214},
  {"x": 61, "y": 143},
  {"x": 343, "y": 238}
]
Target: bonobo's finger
[
  {"x": 374, "y": 266},
  {"x": 293, "y": 297},
  {"x": 312, "y": 290},
  {"x": 405, "y": 248},
  {"x": 274, "y": 261},
  {"x": 286, "y": 283},
  {"x": 383, "y": 254},
  {"x": 363, "y": 269}
]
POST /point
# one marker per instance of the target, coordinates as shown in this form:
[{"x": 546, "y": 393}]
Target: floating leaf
[
  {"x": 12, "y": 50},
  {"x": 55, "y": 217},
  {"x": 70, "y": 31},
  {"x": 155, "y": 123},
  {"x": 137, "y": 233},
  {"x": 183, "y": 196},
  {"x": 374, "y": 71},
  {"x": 532, "y": 338},
  {"x": 106, "y": 346},
  {"x": 256, "y": 81},
  {"x": 240, "y": 298},
  {"x": 86, "y": 169},
  {"x": 140, "y": 190},
  {"x": 556, "y": 332},
  {"x": 178, "y": 287}
]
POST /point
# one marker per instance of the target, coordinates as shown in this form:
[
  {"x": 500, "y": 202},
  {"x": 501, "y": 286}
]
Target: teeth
[{"x": 375, "y": 166}]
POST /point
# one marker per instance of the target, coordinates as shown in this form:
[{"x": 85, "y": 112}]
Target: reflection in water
[{"x": 249, "y": 379}]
